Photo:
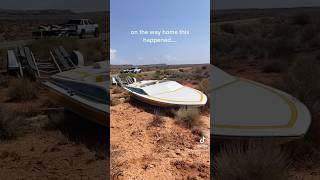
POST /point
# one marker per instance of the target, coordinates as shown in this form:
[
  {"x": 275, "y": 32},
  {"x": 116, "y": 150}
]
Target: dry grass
[
  {"x": 190, "y": 117},
  {"x": 302, "y": 80},
  {"x": 197, "y": 131},
  {"x": 114, "y": 101},
  {"x": 204, "y": 86},
  {"x": 55, "y": 121},
  {"x": 157, "y": 120},
  {"x": 116, "y": 90},
  {"x": 4, "y": 81},
  {"x": 10, "y": 123},
  {"x": 116, "y": 171},
  {"x": 273, "y": 66},
  {"x": 256, "y": 161},
  {"x": 22, "y": 90}
]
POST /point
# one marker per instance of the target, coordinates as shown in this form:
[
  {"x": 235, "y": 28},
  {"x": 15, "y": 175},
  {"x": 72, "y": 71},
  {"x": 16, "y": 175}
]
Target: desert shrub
[
  {"x": 309, "y": 32},
  {"x": 203, "y": 86},
  {"x": 167, "y": 72},
  {"x": 225, "y": 44},
  {"x": 4, "y": 81},
  {"x": 301, "y": 19},
  {"x": 157, "y": 120},
  {"x": 228, "y": 28},
  {"x": 197, "y": 131},
  {"x": 115, "y": 166},
  {"x": 198, "y": 73},
  {"x": 282, "y": 30},
  {"x": 274, "y": 66},
  {"x": 27, "y": 109},
  {"x": 190, "y": 117},
  {"x": 10, "y": 123},
  {"x": 157, "y": 75},
  {"x": 302, "y": 80},
  {"x": 42, "y": 47},
  {"x": 255, "y": 161},
  {"x": 116, "y": 90},
  {"x": 282, "y": 46},
  {"x": 22, "y": 90},
  {"x": 310, "y": 35},
  {"x": 125, "y": 75},
  {"x": 246, "y": 29},
  {"x": 93, "y": 50},
  {"x": 266, "y": 20},
  {"x": 139, "y": 76},
  {"x": 54, "y": 121},
  {"x": 304, "y": 153},
  {"x": 114, "y": 101}
]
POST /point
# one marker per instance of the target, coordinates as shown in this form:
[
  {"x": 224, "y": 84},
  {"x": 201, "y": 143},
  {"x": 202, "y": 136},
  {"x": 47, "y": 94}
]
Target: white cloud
[
  {"x": 113, "y": 54},
  {"x": 169, "y": 58}
]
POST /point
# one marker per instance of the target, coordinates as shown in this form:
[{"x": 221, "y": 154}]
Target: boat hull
[
  {"x": 248, "y": 109},
  {"x": 151, "y": 101},
  {"x": 73, "y": 104}
]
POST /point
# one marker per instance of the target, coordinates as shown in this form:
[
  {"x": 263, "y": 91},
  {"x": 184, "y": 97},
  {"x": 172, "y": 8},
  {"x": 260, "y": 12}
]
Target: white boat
[
  {"x": 244, "y": 108},
  {"x": 84, "y": 90},
  {"x": 166, "y": 93}
]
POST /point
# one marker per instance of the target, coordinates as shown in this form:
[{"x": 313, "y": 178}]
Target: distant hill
[
  {"x": 233, "y": 14},
  {"x": 8, "y": 12},
  {"x": 43, "y": 15}
]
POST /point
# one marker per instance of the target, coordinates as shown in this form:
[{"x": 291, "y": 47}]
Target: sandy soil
[
  {"x": 49, "y": 155},
  {"x": 140, "y": 150}
]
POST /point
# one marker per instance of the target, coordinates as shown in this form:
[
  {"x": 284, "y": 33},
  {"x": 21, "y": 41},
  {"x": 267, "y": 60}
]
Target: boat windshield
[
  {"x": 154, "y": 82},
  {"x": 137, "y": 90}
]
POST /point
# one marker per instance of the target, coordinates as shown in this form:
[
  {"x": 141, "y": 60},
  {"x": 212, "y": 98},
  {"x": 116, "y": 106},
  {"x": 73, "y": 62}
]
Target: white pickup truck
[
  {"x": 82, "y": 27},
  {"x": 134, "y": 70}
]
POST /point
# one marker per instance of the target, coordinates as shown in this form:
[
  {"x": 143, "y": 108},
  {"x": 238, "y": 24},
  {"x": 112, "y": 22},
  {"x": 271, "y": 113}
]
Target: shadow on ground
[{"x": 79, "y": 130}]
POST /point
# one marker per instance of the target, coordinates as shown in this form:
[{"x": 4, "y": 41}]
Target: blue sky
[{"x": 128, "y": 15}]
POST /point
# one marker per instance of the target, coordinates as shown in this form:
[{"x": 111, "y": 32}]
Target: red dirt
[{"x": 142, "y": 151}]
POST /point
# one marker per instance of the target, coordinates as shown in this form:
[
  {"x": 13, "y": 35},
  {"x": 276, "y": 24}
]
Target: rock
[{"x": 122, "y": 100}]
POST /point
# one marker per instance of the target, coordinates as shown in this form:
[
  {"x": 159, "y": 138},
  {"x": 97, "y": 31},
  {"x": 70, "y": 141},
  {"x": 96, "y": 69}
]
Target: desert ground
[
  {"x": 39, "y": 139},
  {"x": 148, "y": 142},
  {"x": 280, "y": 48}
]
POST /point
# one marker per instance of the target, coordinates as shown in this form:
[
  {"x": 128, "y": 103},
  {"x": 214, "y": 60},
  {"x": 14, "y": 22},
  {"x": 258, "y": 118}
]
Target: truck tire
[
  {"x": 96, "y": 33},
  {"x": 82, "y": 34}
]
